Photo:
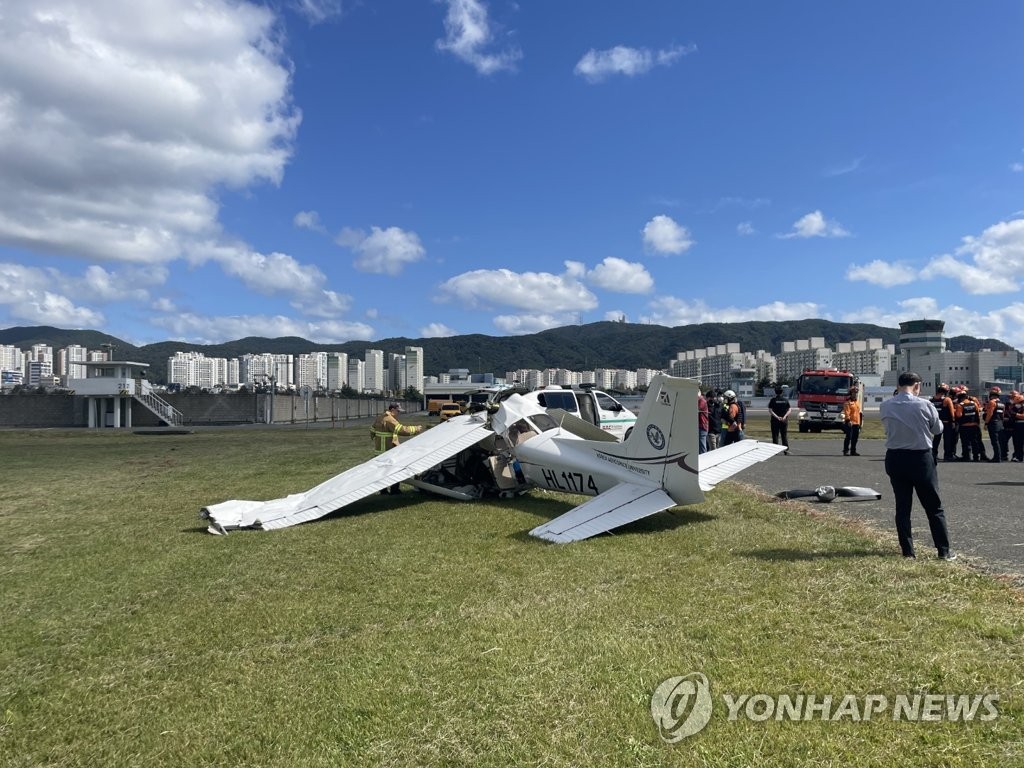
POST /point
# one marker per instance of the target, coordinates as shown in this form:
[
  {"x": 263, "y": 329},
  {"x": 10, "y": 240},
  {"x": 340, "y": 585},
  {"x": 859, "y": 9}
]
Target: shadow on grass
[
  {"x": 365, "y": 506},
  {"x": 656, "y": 523},
  {"x": 797, "y": 555}
]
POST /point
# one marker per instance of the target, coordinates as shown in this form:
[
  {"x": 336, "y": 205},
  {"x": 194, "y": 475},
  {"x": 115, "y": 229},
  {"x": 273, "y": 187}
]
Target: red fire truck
[{"x": 820, "y": 395}]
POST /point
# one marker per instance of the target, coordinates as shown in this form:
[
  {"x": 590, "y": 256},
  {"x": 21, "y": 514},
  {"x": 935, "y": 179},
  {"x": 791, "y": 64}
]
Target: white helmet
[{"x": 729, "y": 394}]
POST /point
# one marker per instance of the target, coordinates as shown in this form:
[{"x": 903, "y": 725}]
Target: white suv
[{"x": 591, "y": 405}]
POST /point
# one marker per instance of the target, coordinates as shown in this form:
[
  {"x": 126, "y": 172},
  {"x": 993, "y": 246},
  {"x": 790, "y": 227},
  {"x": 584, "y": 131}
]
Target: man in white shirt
[{"x": 911, "y": 422}]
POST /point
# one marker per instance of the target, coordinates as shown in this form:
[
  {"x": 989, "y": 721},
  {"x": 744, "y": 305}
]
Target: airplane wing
[
  {"x": 622, "y": 504},
  {"x": 721, "y": 463},
  {"x": 414, "y": 455},
  {"x": 627, "y": 502}
]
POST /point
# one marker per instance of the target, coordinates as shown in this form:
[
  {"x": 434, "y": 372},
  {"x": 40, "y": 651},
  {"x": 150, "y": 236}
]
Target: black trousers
[
  {"x": 970, "y": 442},
  {"x": 780, "y": 431},
  {"x": 913, "y": 472},
  {"x": 948, "y": 441},
  {"x": 995, "y": 434},
  {"x": 852, "y": 432}
]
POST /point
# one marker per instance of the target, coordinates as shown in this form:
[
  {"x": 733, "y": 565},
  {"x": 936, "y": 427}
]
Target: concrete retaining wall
[{"x": 33, "y": 410}]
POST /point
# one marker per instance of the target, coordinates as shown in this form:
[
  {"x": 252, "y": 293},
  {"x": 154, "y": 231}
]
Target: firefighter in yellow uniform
[{"x": 385, "y": 434}]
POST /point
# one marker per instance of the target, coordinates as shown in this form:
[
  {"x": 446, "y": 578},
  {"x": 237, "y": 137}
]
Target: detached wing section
[
  {"x": 416, "y": 454},
  {"x": 721, "y": 463},
  {"x": 622, "y": 504}
]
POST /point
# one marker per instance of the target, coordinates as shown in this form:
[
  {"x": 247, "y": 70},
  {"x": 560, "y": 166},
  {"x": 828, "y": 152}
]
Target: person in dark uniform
[
  {"x": 947, "y": 415},
  {"x": 714, "y": 399},
  {"x": 778, "y": 409},
  {"x": 910, "y": 422},
  {"x": 995, "y": 411}
]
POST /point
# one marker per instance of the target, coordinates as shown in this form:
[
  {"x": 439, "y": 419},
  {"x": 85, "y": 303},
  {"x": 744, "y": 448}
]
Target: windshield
[{"x": 824, "y": 385}]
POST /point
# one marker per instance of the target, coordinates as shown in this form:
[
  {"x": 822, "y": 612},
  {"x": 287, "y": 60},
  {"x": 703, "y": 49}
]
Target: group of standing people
[
  {"x": 721, "y": 419},
  {"x": 963, "y": 418}
]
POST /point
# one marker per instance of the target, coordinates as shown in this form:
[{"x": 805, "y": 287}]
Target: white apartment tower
[{"x": 373, "y": 371}]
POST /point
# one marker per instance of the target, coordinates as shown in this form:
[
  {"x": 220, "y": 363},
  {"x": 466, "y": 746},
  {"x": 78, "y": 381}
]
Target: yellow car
[{"x": 450, "y": 409}]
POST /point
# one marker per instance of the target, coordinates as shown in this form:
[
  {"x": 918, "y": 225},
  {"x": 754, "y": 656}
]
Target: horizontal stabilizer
[
  {"x": 416, "y": 454},
  {"x": 622, "y": 504},
  {"x": 722, "y": 463}
]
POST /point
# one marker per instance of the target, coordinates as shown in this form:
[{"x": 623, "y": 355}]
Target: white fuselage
[{"x": 560, "y": 461}]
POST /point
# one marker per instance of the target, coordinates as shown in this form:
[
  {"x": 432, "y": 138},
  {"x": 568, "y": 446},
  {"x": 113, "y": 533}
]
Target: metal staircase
[{"x": 163, "y": 410}]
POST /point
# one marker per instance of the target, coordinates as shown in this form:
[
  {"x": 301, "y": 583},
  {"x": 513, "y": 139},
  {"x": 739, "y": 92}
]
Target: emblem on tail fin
[{"x": 655, "y": 437}]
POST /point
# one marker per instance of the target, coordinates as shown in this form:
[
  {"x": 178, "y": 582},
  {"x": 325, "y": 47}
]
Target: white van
[{"x": 591, "y": 405}]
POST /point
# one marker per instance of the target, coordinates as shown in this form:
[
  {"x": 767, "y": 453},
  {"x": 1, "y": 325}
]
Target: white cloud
[
  {"x": 663, "y": 235},
  {"x": 437, "y": 331},
  {"x": 815, "y": 224},
  {"x": 621, "y": 276},
  {"x": 844, "y": 168},
  {"x": 671, "y": 311},
  {"x": 999, "y": 248},
  {"x": 596, "y": 66},
  {"x": 308, "y": 220},
  {"x": 324, "y": 304},
  {"x": 972, "y": 279},
  {"x": 468, "y": 35},
  {"x": 882, "y": 273},
  {"x": 27, "y": 294},
  {"x": 317, "y": 11},
  {"x": 120, "y": 118},
  {"x": 273, "y": 273},
  {"x": 537, "y": 291},
  {"x": 1003, "y": 323},
  {"x": 213, "y": 330},
  {"x": 745, "y": 229},
  {"x": 996, "y": 259},
  {"x": 1017, "y": 167},
  {"x": 532, "y": 323},
  {"x": 383, "y": 251}
]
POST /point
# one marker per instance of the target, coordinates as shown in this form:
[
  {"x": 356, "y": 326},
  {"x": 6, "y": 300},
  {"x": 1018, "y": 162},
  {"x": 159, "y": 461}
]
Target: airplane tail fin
[{"x": 665, "y": 437}]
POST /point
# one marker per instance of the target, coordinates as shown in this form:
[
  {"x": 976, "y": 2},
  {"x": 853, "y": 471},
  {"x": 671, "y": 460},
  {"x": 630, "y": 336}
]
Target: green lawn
[{"x": 411, "y": 631}]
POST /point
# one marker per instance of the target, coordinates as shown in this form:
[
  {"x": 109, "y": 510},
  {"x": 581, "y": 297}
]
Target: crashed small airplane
[{"x": 518, "y": 445}]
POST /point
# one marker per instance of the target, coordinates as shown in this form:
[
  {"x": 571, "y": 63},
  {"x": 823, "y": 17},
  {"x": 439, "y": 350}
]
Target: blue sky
[{"x": 339, "y": 170}]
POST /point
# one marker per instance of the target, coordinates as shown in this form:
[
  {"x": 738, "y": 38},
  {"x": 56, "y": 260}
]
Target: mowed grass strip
[{"x": 414, "y": 631}]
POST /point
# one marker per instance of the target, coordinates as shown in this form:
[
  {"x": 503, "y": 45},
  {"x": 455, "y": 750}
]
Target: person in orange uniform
[
  {"x": 995, "y": 412},
  {"x": 947, "y": 415},
  {"x": 385, "y": 432},
  {"x": 852, "y": 419},
  {"x": 968, "y": 419}
]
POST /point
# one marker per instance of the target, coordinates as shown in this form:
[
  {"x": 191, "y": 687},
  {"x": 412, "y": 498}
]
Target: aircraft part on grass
[
  {"x": 826, "y": 493},
  {"x": 400, "y": 463}
]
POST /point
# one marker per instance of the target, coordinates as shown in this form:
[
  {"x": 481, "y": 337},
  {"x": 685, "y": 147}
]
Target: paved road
[{"x": 984, "y": 503}]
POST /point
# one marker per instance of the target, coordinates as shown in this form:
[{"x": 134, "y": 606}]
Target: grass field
[{"x": 411, "y": 631}]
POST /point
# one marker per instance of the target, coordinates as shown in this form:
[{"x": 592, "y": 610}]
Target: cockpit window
[{"x": 543, "y": 421}]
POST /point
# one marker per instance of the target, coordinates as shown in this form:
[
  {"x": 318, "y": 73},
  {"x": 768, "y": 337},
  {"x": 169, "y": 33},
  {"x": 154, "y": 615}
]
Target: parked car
[{"x": 449, "y": 409}]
